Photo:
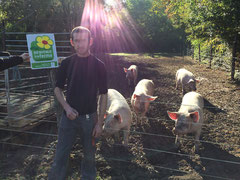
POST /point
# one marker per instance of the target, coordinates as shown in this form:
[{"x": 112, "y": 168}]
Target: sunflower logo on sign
[
  {"x": 42, "y": 48},
  {"x": 44, "y": 42}
]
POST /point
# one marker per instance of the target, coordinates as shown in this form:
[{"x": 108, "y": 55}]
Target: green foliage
[
  {"x": 164, "y": 25},
  {"x": 207, "y": 22},
  {"x": 155, "y": 26},
  {"x": 41, "y": 16}
]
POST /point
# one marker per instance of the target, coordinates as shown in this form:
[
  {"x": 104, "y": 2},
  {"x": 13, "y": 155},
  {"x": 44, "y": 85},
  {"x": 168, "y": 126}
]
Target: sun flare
[
  {"x": 110, "y": 32},
  {"x": 111, "y": 3}
]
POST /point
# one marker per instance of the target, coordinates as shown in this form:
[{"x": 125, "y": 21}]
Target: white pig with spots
[
  {"x": 189, "y": 118},
  {"x": 118, "y": 116}
]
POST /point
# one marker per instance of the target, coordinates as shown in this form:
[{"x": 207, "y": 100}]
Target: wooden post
[
  {"x": 210, "y": 62},
  {"x": 234, "y": 57},
  {"x": 193, "y": 53},
  {"x": 199, "y": 52},
  {"x": 3, "y": 36}
]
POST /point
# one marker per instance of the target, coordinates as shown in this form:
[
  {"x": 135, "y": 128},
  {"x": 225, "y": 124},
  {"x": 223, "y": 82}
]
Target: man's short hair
[{"x": 80, "y": 29}]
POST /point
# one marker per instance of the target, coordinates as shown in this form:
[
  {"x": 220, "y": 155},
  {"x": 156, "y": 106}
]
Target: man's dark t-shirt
[{"x": 85, "y": 78}]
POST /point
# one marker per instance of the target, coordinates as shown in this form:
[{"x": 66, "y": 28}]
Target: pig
[
  {"x": 186, "y": 79},
  {"x": 142, "y": 96},
  {"x": 189, "y": 118},
  {"x": 131, "y": 74},
  {"x": 118, "y": 116}
]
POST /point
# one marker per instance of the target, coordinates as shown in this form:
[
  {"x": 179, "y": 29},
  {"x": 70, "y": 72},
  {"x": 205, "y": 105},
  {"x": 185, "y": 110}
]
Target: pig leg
[
  {"x": 135, "y": 78},
  {"x": 136, "y": 117},
  {"x": 197, "y": 136},
  {"x": 177, "y": 83},
  {"x": 116, "y": 137},
  {"x": 126, "y": 136},
  {"x": 177, "y": 142},
  {"x": 129, "y": 82},
  {"x": 135, "y": 81},
  {"x": 140, "y": 119}
]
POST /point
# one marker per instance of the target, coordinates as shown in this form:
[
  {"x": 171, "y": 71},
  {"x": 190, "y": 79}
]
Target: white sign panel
[{"x": 42, "y": 49}]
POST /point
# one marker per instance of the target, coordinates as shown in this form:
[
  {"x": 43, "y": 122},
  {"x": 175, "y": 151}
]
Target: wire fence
[
  {"x": 130, "y": 145},
  {"x": 133, "y": 132},
  {"x": 167, "y": 104}
]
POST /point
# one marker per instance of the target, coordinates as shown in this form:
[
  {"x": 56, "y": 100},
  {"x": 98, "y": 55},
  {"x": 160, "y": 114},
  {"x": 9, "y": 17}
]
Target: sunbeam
[{"x": 111, "y": 25}]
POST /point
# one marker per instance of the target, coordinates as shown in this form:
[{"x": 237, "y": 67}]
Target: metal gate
[{"x": 27, "y": 96}]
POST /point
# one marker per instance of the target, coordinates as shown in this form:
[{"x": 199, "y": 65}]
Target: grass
[
  {"x": 155, "y": 55},
  {"x": 122, "y": 54}
]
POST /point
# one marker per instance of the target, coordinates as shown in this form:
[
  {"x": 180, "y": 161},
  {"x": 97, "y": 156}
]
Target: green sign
[{"x": 42, "y": 51}]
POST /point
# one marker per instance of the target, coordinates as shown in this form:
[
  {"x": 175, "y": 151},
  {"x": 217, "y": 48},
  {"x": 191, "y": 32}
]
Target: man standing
[{"x": 85, "y": 76}]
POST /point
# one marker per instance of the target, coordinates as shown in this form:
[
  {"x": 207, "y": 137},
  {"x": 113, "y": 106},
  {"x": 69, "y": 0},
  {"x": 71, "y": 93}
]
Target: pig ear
[
  {"x": 118, "y": 117},
  {"x": 195, "y": 116},
  {"x": 151, "y": 98},
  {"x": 125, "y": 70},
  {"x": 135, "y": 96},
  {"x": 105, "y": 115},
  {"x": 173, "y": 115},
  {"x": 197, "y": 80},
  {"x": 190, "y": 80}
]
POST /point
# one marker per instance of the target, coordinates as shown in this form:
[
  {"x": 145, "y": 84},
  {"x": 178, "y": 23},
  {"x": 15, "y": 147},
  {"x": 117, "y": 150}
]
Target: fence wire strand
[{"x": 122, "y": 160}]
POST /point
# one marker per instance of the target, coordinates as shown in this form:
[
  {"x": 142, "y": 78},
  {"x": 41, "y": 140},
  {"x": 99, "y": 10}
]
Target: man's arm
[
  {"x": 70, "y": 112},
  {"x": 8, "y": 62}
]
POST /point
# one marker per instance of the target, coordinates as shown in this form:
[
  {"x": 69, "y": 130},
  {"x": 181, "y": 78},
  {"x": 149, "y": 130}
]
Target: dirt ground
[{"x": 151, "y": 153}]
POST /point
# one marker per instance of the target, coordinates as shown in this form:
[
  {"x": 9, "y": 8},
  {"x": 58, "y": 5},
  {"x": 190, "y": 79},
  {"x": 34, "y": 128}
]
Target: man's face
[{"x": 81, "y": 43}]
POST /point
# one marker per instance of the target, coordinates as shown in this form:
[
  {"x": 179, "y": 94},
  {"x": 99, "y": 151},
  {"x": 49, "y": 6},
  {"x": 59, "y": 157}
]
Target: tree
[{"x": 155, "y": 26}]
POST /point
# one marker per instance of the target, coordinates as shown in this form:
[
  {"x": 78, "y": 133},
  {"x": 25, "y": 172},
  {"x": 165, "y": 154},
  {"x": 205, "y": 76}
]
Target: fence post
[
  {"x": 6, "y": 74},
  {"x": 58, "y": 106},
  {"x": 210, "y": 62},
  {"x": 3, "y": 36},
  {"x": 199, "y": 52},
  {"x": 234, "y": 56}
]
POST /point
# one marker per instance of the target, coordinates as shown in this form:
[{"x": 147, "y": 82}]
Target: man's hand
[
  {"x": 71, "y": 113},
  {"x": 97, "y": 131},
  {"x": 25, "y": 57}
]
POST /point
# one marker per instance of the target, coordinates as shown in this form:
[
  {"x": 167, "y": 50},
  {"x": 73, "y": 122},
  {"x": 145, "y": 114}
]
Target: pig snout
[
  {"x": 140, "y": 108},
  {"x": 107, "y": 131},
  {"x": 181, "y": 129},
  {"x": 192, "y": 86}
]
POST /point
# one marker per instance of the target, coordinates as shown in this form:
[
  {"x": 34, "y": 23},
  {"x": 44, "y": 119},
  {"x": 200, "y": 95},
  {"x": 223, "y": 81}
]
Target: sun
[{"x": 111, "y": 3}]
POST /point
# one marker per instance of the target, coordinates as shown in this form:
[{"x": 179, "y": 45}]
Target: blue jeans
[{"x": 67, "y": 132}]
